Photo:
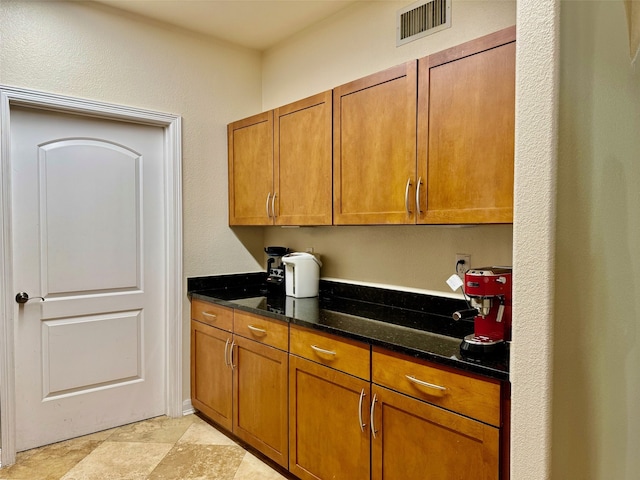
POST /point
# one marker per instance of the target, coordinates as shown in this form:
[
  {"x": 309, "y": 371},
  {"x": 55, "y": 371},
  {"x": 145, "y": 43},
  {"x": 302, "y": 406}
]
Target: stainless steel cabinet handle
[
  {"x": 424, "y": 384},
  {"x": 23, "y": 297},
  {"x": 362, "y": 425},
  {"x": 233, "y": 344},
  {"x": 406, "y": 196},
  {"x": 226, "y": 353},
  {"x": 212, "y": 316},
  {"x": 373, "y": 408},
  {"x": 322, "y": 350},
  {"x": 418, "y": 210},
  {"x": 267, "y": 204},
  {"x": 261, "y": 331},
  {"x": 273, "y": 202}
]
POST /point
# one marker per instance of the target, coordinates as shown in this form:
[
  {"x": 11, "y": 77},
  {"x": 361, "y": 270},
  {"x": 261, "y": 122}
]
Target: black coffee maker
[{"x": 275, "y": 269}]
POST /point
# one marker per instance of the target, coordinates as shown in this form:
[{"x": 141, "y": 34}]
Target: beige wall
[
  {"x": 531, "y": 362},
  {"x": 596, "y": 401},
  {"x": 420, "y": 257},
  {"x": 360, "y": 40},
  {"x": 97, "y": 53},
  {"x": 576, "y": 387},
  {"x": 355, "y": 42}
]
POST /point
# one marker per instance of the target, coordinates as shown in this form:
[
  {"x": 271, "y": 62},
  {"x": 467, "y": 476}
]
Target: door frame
[{"x": 172, "y": 125}]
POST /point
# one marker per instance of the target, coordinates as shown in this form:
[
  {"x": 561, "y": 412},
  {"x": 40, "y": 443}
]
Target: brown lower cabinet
[
  {"x": 260, "y": 398},
  {"x": 411, "y": 439},
  {"x": 326, "y": 407},
  {"x": 241, "y": 383},
  {"x": 211, "y": 376},
  {"x": 328, "y": 437}
]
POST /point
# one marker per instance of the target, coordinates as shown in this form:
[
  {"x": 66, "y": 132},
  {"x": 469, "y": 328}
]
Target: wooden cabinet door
[
  {"x": 327, "y": 439},
  {"x": 211, "y": 375},
  {"x": 374, "y": 148},
  {"x": 250, "y": 150},
  {"x": 466, "y": 118},
  {"x": 260, "y": 392},
  {"x": 303, "y": 181},
  {"x": 413, "y": 440}
]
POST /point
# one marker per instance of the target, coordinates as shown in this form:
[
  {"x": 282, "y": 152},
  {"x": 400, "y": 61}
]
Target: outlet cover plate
[{"x": 462, "y": 269}]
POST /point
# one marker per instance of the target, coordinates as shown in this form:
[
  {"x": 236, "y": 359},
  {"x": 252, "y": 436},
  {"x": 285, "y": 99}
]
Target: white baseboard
[{"x": 187, "y": 408}]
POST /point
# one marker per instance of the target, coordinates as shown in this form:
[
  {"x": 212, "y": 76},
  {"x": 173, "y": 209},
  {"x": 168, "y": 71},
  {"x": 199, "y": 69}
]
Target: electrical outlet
[
  {"x": 309, "y": 250},
  {"x": 461, "y": 268}
]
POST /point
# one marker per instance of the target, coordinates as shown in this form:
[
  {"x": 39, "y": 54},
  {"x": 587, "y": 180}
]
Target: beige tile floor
[{"x": 162, "y": 448}]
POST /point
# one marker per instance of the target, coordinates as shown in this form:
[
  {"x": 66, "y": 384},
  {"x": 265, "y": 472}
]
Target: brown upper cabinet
[
  {"x": 302, "y": 179},
  {"x": 466, "y": 118},
  {"x": 374, "y": 148},
  {"x": 280, "y": 165},
  {"x": 429, "y": 141},
  {"x": 250, "y": 148}
]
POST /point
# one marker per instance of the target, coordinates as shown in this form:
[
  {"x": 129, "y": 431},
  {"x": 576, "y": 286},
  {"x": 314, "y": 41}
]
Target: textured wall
[
  {"x": 93, "y": 52},
  {"x": 534, "y": 237},
  {"x": 596, "y": 387}
]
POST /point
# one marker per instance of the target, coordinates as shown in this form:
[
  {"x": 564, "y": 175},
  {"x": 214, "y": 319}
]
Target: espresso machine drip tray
[{"x": 481, "y": 347}]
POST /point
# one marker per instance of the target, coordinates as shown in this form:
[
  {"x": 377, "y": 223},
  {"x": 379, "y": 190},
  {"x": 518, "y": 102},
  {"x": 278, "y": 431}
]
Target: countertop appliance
[
  {"x": 489, "y": 291},
  {"x": 302, "y": 274},
  {"x": 275, "y": 269}
]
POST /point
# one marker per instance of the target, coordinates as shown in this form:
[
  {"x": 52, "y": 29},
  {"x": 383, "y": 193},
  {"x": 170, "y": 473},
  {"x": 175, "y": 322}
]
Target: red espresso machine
[{"x": 489, "y": 291}]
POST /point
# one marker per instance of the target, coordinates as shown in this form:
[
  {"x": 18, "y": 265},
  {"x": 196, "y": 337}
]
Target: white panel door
[{"x": 88, "y": 236}]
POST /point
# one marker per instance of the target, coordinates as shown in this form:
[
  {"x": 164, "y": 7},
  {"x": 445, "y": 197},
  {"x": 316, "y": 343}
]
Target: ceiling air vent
[{"x": 422, "y": 18}]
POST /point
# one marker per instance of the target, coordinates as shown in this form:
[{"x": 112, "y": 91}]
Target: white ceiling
[{"x": 257, "y": 24}]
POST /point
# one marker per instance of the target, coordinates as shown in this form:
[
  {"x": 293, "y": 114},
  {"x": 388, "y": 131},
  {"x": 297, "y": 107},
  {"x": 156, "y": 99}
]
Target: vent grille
[{"x": 421, "y": 19}]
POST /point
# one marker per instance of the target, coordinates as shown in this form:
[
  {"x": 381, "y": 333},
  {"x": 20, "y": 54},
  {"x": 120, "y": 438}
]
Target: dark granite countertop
[{"x": 413, "y": 324}]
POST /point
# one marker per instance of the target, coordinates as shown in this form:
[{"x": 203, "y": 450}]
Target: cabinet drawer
[
  {"x": 470, "y": 396},
  {"x": 211, "y": 314},
  {"x": 336, "y": 352},
  {"x": 261, "y": 329}
]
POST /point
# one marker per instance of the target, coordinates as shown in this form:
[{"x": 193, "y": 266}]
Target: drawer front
[
  {"x": 470, "y": 396},
  {"x": 342, "y": 354},
  {"x": 212, "y": 314},
  {"x": 261, "y": 329}
]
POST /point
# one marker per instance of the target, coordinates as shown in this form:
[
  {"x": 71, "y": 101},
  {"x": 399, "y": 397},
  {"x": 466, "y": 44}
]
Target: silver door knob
[{"x": 23, "y": 297}]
